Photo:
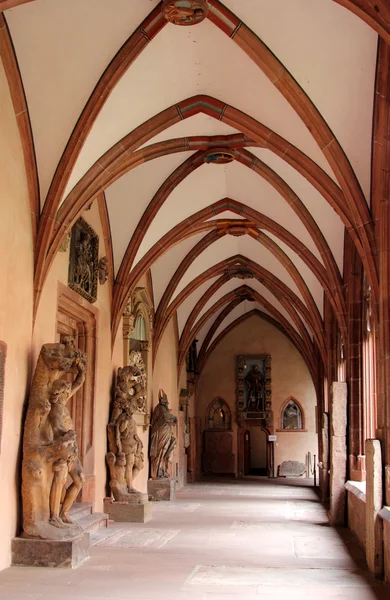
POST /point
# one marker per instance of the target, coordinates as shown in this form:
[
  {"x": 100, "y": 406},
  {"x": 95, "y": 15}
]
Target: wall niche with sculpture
[
  {"x": 253, "y": 380},
  {"x": 292, "y": 416},
  {"x": 137, "y": 337},
  {"x": 218, "y": 456}
]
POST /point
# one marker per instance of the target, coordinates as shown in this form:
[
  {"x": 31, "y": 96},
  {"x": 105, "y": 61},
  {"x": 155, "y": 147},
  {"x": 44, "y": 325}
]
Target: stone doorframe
[
  {"x": 74, "y": 312},
  {"x": 250, "y": 424}
]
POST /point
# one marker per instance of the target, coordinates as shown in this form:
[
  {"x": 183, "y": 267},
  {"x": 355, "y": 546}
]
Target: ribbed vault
[{"x": 142, "y": 133}]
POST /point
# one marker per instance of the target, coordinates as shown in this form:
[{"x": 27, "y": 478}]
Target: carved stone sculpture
[
  {"x": 162, "y": 440},
  {"x": 190, "y": 12},
  {"x": 256, "y": 388},
  {"x": 83, "y": 260},
  {"x": 125, "y": 457},
  {"x": 50, "y": 450},
  {"x": 103, "y": 270}
]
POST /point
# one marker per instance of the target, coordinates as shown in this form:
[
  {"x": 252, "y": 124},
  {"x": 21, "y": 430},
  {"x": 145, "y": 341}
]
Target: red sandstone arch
[
  {"x": 377, "y": 19},
  {"x": 293, "y": 272},
  {"x": 160, "y": 247},
  {"x": 281, "y": 291},
  {"x": 298, "y": 100},
  {"x": 262, "y": 222},
  {"x": 250, "y": 161},
  {"x": 303, "y": 340},
  {"x": 22, "y": 116},
  {"x": 237, "y": 322},
  {"x": 290, "y": 333},
  {"x": 126, "y": 278},
  {"x": 234, "y": 297}
]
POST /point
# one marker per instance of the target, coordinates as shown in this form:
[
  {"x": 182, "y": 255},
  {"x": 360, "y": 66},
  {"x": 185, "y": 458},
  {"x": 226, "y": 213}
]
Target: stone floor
[{"x": 226, "y": 539}]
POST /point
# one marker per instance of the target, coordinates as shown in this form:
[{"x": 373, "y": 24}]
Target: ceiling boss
[{"x": 185, "y": 12}]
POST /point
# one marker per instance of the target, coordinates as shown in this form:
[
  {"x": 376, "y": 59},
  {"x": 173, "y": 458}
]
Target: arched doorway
[{"x": 255, "y": 452}]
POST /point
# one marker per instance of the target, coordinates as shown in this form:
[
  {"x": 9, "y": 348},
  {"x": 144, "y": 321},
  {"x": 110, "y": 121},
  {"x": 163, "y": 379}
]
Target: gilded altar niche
[{"x": 254, "y": 397}]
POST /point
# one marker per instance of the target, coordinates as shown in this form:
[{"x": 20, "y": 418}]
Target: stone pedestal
[
  {"x": 385, "y": 514},
  {"x": 338, "y": 453},
  {"x": 128, "y": 512},
  {"x": 374, "y": 499},
  {"x": 34, "y": 552},
  {"x": 162, "y": 489}
]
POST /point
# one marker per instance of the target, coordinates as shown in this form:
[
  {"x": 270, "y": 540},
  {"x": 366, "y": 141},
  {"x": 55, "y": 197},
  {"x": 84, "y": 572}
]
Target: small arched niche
[
  {"x": 219, "y": 415},
  {"x": 292, "y": 416}
]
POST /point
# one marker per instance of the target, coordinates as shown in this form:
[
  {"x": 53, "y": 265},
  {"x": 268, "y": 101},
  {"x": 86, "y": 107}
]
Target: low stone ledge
[
  {"x": 34, "y": 552},
  {"x": 126, "y": 512},
  {"x": 357, "y": 488},
  {"x": 162, "y": 489}
]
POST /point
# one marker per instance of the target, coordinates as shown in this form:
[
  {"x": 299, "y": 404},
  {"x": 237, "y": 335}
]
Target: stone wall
[
  {"x": 16, "y": 304},
  {"x": 357, "y": 510}
]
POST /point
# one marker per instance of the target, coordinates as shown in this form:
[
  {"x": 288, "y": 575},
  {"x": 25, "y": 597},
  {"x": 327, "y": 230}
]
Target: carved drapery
[{"x": 138, "y": 333}]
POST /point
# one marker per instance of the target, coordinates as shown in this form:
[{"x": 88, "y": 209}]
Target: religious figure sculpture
[
  {"x": 103, "y": 270},
  {"x": 50, "y": 450},
  {"x": 125, "y": 457},
  {"x": 162, "y": 440},
  {"x": 256, "y": 385},
  {"x": 185, "y": 12}
]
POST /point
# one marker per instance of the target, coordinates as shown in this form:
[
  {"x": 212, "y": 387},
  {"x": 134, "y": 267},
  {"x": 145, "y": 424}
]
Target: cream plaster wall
[
  {"x": 45, "y": 331},
  {"x": 16, "y": 301},
  {"x": 290, "y": 377}
]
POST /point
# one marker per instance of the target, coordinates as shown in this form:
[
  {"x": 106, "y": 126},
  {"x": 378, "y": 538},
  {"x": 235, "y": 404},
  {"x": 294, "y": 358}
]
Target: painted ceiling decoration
[
  {"x": 185, "y": 12},
  {"x": 228, "y": 144}
]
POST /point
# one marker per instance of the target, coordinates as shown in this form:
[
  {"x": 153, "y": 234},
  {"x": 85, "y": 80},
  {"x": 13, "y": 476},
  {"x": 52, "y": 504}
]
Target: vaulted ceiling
[{"x": 232, "y": 154}]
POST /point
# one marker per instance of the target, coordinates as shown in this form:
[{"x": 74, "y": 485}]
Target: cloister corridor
[{"x": 252, "y": 538}]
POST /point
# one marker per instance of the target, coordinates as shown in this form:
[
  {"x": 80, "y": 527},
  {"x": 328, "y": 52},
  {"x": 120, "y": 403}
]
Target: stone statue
[
  {"x": 83, "y": 273},
  {"x": 256, "y": 386},
  {"x": 125, "y": 457},
  {"x": 50, "y": 450},
  {"x": 162, "y": 441},
  {"x": 103, "y": 270}
]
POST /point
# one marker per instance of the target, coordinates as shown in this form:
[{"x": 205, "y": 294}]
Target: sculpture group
[
  {"x": 50, "y": 451},
  {"x": 125, "y": 457}
]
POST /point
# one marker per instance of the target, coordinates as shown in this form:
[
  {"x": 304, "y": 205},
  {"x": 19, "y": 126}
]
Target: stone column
[
  {"x": 374, "y": 499},
  {"x": 381, "y": 210},
  {"x": 324, "y": 468},
  {"x": 338, "y": 452}
]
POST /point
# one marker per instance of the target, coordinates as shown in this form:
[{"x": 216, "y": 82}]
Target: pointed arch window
[
  {"x": 292, "y": 418},
  {"x": 219, "y": 415},
  {"x": 139, "y": 332}
]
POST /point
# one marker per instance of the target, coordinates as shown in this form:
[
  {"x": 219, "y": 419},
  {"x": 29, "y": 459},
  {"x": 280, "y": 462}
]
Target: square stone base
[
  {"x": 34, "y": 552},
  {"x": 162, "y": 489},
  {"x": 125, "y": 512}
]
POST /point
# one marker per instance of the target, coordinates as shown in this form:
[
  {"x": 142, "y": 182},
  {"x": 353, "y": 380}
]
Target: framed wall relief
[
  {"x": 84, "y": 260},
  {"x": 254, "y": 398}
]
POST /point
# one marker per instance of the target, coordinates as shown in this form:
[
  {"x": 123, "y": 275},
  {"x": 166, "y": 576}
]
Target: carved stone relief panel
[{"x": 84, "y": 260}]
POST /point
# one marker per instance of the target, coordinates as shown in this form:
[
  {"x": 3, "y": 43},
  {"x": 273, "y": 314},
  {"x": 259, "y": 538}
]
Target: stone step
[
  {"x": 80, "y": 509},
  {"x": 92, "y": 522}
]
